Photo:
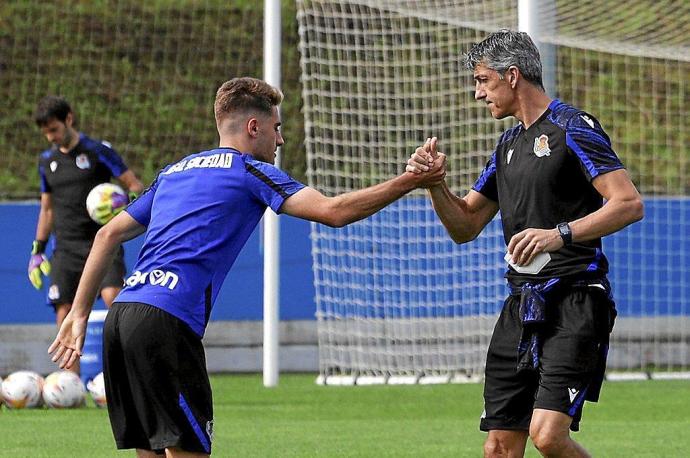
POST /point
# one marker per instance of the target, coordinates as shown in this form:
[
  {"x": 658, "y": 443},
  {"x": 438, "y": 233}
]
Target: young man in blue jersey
[
  {"x": 197, "y": 216},
  {"x": 69, "y": 170},
  {"x": 547, "y": 176}
]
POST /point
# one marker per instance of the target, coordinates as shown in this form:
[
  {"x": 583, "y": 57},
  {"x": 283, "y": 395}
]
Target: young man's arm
[
  {"x": 70, "y": 339},
  {"x": 344, "y": 209},
  {"x": 623, "y": 206}
]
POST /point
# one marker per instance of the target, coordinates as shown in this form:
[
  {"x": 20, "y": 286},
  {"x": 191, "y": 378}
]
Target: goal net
[{"x": 397, "y": 301}]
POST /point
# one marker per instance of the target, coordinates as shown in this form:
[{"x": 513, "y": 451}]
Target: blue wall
[
  {"x": 650, "y": 267},
  {"x": 241, "y": 297}
]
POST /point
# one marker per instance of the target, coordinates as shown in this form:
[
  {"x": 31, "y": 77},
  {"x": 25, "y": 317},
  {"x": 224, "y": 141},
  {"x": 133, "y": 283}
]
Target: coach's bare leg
[
  {"x": 61, "y": 311},
  {"x": 109, "y": 293},
  {"x": 550, "y": 433},
  {"x": 176, "y": 452},
  {"x": 141, "y": 453},
  {"x": 505, "y": 444}
]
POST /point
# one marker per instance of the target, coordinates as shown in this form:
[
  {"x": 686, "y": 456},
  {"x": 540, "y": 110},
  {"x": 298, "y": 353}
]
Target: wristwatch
[{"x": 566, "y": 233}]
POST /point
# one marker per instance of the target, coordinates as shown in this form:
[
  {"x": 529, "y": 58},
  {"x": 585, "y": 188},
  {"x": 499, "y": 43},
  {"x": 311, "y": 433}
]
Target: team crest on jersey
[
  {"x": 83, "y": 161},
  {"x": 541, "y": 146},
  {"x": 509, "y": 156},
  {"x": 53, "y": 166},
  {"x": 53, "y": 293}
]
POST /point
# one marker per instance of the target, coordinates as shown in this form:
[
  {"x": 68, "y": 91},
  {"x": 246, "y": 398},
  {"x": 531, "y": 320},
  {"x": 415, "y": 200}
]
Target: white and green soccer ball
[
  {"x": 63, "y": 390},
  {"x": 105, "y": 201},
  {"x": 22, "y": 390}
]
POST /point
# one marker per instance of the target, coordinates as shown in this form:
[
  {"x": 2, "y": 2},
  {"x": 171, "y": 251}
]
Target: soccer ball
[
  {"x": 63, "y": 389},
  {"x": 22, "y": 389},
  {"x": 96, "y": 387},
  {"x": 105, "y": 201}
]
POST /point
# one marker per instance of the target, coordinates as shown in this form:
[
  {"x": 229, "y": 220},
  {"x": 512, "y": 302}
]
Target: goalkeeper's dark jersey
[
  {"x": 541, "y": 176},
  {"x": 69, "y": 177},
  {"x": 199, "y": 213}
]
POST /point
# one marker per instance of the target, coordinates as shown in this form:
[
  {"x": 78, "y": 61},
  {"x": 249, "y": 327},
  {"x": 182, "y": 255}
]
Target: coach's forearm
[
  {"x": 613, "y": 216},
  {"x": 453, "y": 213}
]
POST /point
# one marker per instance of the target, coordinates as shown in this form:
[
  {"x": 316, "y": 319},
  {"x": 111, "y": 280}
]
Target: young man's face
[
  {"x": 269, "y": 137},
  {"x": 58, "y": 132},
  {"x": 493, "y": 90}
]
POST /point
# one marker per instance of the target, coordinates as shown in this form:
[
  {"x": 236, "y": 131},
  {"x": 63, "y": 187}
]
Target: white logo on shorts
[
  {"x": 572, "y": 392},
  {"x": 209, "y": 430},
  {"x": 53, "y": 292}
]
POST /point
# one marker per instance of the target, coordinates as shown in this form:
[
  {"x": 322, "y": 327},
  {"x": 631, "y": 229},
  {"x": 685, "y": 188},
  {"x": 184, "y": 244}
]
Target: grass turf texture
[{"x": 301, "y": 419}]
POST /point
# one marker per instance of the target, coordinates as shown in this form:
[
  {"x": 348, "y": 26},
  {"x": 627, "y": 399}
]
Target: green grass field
[{"x": 301, "y": 419}]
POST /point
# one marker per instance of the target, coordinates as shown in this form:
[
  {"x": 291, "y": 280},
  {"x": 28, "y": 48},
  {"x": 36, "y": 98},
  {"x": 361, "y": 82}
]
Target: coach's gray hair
[{"x": 505, "y": 48}]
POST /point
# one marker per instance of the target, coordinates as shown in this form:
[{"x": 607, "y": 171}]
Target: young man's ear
[
  {"x": 253, "y": 127},
  {"x": 69, "y": 119}
]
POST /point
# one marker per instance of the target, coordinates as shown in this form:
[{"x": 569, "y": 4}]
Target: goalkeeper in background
[
  {"x": 69, "y": 170},
  {"x": 548, "y": 176}
]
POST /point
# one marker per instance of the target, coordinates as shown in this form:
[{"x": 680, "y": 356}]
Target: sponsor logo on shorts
[{"x": 155, "y": 277}]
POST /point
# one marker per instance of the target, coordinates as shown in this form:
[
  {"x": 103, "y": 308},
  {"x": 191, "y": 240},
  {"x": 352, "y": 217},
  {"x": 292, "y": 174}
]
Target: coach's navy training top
[
  {"x": 69, "y": 177},
  {"x": 541, "y": 176},
  {"x": 199, "y": 213}
]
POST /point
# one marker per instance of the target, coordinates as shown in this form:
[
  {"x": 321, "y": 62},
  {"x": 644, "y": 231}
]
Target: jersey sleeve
[
  {"x": 269, "y": 184},
  {"x": 486, "y": 183},
  {"x": 587, "y": 140},
  {"x": 140, "y": 208},
  {"x": 109, "y": 157},
  {"x": 45, "y": 187}
]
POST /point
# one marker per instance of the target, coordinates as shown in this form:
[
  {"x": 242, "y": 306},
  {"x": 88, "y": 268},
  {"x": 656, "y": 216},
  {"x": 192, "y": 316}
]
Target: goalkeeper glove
[{"x": 38, "y": 264}]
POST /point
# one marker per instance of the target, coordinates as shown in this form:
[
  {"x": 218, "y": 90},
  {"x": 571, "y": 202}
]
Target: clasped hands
[{"x": 428, "y": 163}]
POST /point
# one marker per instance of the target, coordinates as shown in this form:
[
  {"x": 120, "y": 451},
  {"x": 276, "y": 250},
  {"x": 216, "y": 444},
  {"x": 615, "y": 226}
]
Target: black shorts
[
  {"x": 578, "y": 323},
  {"x": 156, "y": 383},
  {"x": 66, "y": 269}
]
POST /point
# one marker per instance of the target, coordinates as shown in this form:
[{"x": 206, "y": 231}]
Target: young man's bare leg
[{"x": 502, "y": 443}]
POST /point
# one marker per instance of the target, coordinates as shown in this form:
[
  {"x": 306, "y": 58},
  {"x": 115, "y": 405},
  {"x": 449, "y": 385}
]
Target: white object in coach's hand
[{"x": 533, "y": 267}]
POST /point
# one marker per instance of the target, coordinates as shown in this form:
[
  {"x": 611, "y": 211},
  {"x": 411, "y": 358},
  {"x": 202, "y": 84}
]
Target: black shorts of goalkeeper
[
  {"x": 573, "y": 343},
  {"x": 157, "y": 388}
]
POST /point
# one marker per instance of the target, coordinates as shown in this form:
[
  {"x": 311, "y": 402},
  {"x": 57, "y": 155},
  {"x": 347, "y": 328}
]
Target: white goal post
[{"x": 397, "y": 301}]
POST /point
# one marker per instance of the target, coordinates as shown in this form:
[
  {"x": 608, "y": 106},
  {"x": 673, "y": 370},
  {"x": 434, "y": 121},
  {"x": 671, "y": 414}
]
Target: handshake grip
[{"x": 38, "y": 264}]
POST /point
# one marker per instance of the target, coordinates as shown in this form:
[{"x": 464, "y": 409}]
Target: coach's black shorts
[
  {"x": 578, "y": 322},
  {"x": 156, "y": 383},
  {"x": 66, "y": 269}
]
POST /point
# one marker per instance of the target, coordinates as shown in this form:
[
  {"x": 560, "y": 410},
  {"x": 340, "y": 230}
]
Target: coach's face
[
  {"x": 269, "y": 137},
  {"x": 494, "y": 90}
]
